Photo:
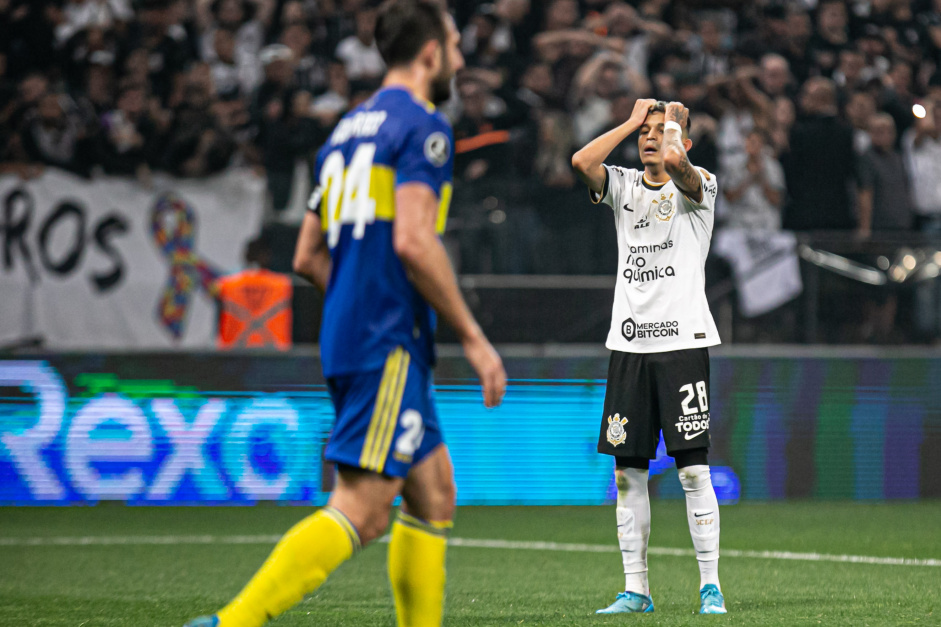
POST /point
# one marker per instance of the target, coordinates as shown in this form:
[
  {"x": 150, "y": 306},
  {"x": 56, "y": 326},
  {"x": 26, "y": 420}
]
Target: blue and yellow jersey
[{"x": 371, "y": 307}]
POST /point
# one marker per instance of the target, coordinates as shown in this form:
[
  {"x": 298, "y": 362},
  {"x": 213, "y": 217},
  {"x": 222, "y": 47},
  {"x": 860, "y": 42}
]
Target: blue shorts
[{"x": 386, "y": 419}]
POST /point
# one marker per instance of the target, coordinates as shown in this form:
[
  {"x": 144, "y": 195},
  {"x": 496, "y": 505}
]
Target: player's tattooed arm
[{"x": 675, "y": 160}]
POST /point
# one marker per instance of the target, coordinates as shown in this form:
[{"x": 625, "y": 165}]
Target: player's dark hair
[
  {"x": 661, "y": 107},
  {"x": 404, "y": 26}
]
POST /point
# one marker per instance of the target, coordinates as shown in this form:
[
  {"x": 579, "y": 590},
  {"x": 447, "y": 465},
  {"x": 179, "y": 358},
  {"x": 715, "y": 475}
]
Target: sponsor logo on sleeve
[{"x": 437, "y": 148}]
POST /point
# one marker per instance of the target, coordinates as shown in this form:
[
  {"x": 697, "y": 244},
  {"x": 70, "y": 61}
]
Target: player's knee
[
  {"x": 631, "y": 481},
  {"x": 695, "y": 477},
  {"x": 620, "y": 479},
  {"x": 441, "y": 502},
  {"x": 437, "y": 502},
  {"x": 447, "y": 499}
]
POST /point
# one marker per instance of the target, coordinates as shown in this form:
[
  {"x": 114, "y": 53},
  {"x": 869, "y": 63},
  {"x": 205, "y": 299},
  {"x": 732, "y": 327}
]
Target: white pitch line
[
  {"x": 137, "y": 540},
  {"x": 478, "y": 543}
]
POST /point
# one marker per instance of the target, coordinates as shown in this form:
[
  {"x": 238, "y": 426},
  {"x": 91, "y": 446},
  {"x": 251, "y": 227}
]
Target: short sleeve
[
  {"x": 616, "y": 181},
  {"x": 427, "y": 155},
  {"x": 710, "y": 189}
]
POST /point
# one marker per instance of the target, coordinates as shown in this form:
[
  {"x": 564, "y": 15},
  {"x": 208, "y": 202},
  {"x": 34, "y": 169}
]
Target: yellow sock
[
  {"x": 416, "y": 570},
  {"x": 300, "y": 562}
]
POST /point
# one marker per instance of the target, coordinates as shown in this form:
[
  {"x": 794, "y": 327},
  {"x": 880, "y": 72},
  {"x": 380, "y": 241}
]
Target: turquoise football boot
[
  {"x": 204, "y": 621},
  {"x": 712, "y": 601},
  {"x": 629, "y": 602}
]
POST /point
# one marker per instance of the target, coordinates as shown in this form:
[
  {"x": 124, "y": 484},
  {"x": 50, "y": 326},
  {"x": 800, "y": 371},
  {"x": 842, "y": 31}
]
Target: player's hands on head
[
  {"x": 677, "y": 112},
  {"x": 489, "y": 367},
  {"x": 641, "y": 109}
]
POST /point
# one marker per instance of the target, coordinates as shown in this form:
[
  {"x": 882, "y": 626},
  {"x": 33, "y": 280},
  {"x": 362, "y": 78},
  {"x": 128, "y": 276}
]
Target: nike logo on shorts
[
  {"x": 690, "y": 436},
  {"x": 698, "y": 515}
]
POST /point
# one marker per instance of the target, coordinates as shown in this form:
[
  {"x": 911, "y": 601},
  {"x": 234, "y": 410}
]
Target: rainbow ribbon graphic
[{"x": 173, "y": 224}]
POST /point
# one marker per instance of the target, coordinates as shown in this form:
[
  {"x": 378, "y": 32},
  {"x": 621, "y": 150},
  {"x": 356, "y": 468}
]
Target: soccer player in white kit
[{"x": 661, "y": 328}]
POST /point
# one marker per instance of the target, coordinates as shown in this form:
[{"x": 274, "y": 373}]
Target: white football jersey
[{"x": 663, "y": 239}]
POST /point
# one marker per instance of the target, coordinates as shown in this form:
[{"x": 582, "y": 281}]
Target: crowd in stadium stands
[{"x": 803, "y": 107}]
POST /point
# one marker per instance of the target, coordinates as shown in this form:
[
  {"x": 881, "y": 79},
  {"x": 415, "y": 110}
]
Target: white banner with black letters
[{"x": 108, "y": 263}]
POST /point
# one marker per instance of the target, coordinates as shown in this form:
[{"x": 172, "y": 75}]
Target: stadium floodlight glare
[{"x": 919, "y": 111}]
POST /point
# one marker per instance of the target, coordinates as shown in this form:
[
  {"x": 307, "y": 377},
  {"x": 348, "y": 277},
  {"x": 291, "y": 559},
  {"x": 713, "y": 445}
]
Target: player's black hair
[
  {"x": 404, "y": 26},
  {"x": 661, "y": 107}
]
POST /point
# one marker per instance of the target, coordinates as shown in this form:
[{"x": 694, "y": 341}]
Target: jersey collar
[
  {"x": 427, "y": 104},
  {"x": 650, "y": 184}
]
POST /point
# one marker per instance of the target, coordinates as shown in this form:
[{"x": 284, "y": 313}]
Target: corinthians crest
[
  {"x": 616, "y": 432},
  {"x": 664, "y": 208}
]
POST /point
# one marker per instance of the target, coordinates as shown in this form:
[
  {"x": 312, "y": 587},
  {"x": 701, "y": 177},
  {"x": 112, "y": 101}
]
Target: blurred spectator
[
  {"x": 246, "y": 20},
  {"x": 702, "y": 132},
  {"x": 851, "y": 72},
  {"x": 98, "y": 88},
  {"x": 195, "y": 145},
  {"x": 819, "y": 166},
  {"x": 164, "y": 47},
  {"x": 78, "y": 15},
  {"x": 872, "y": 45},
  {"x": 797, "y": 45},
  {"x": 859, "y": 110},
  {"x": 596, "y": 85},
  {"x": 929, "y": 21},
  {"x": 710, "y": 58},
  {"x": 896, "y": 97},
  {"x": 231, "y": 75},
  {"x": 922, "y": 147},
  {"x": 126, "y": 142},
  {"x": 775, "y": 76},
  {"x": 359, "y": 52},
  {"x": 781, "y": 122},
  {"x": 621, "y": 21},
  {"x": 480, "y": 138},
  {"x": 741, "y": 106},
  {"x": 554, "y": 154},
  {"x": 516, "y": 26},
  {"x": 484, "y": 49},
  {"x": 831, "y": 35},
  {"x": 537, "y": 89},
  {"x": 56, "y": 136},
  {"x": 329, "y": 106},
  {"x": 286, "y": 128},
  {"x": 885, "y": 202},
  {"x": 561, "y": 15},
  {"x": 754, "y": 189},
  {"x": 310, "y": 70}
]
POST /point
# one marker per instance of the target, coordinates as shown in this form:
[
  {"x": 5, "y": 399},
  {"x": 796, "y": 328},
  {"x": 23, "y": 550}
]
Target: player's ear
[
  {"x": 687, "y": 144},
  {"x": 431, "y": 55}
]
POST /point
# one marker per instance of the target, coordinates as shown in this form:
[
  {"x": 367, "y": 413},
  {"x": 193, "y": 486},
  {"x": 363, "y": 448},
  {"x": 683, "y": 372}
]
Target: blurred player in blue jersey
[{"x": 371, "y": 243}]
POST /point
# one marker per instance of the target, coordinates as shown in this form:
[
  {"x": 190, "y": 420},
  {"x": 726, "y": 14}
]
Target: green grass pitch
[{"x": 141, "y": 584}]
